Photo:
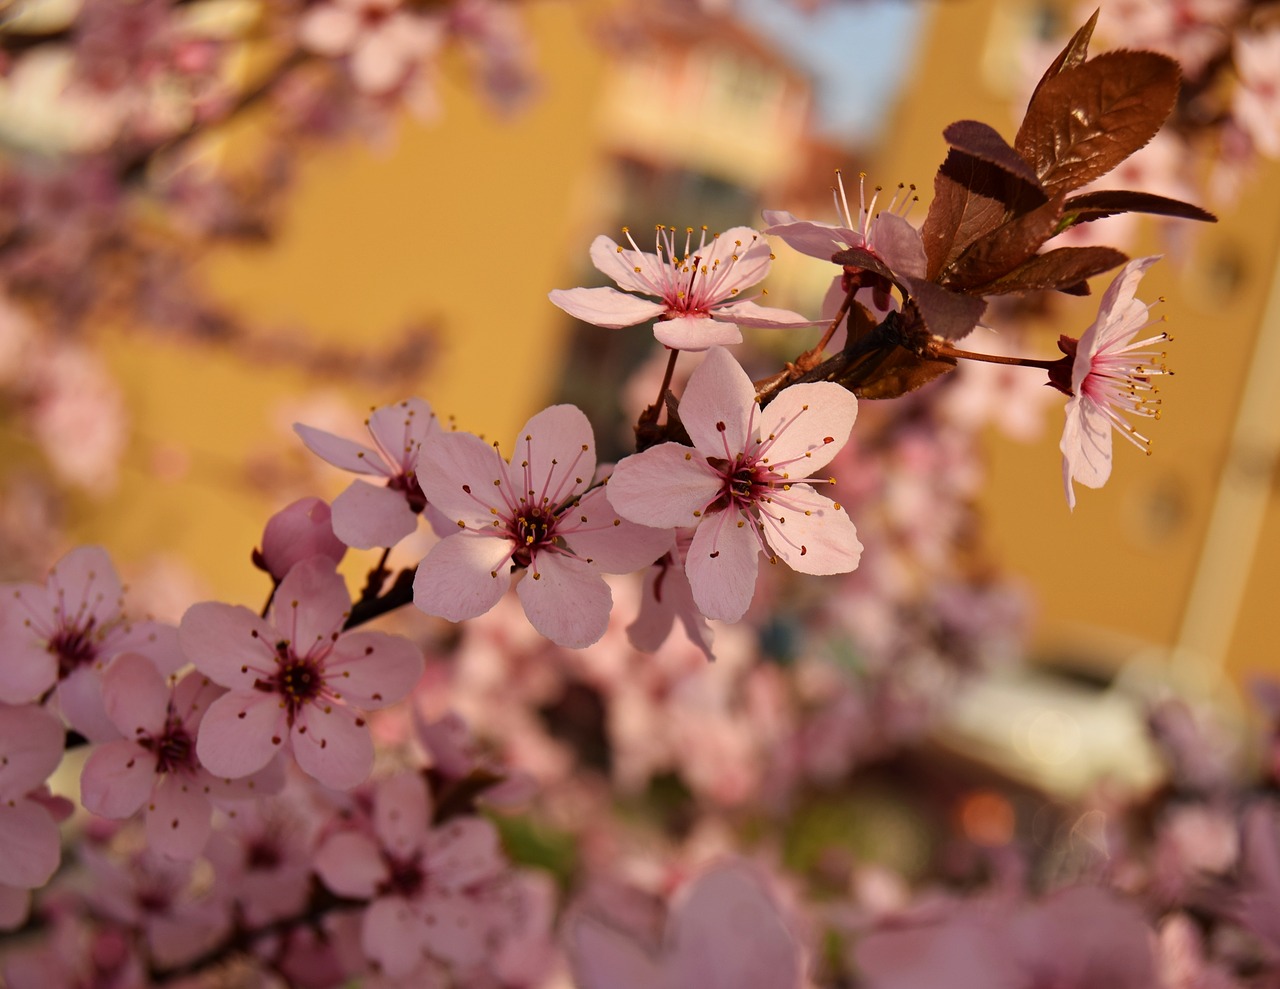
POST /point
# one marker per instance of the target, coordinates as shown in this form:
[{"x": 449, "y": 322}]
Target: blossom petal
[
  {"x": 368, "y": 515},
  {"x": 344, "y": 453},
  {"x": 464, "y": 852},
  {"x": 241, "y": 733},
  {"x": 179, "y": 818},
  {"x": 809, "y": 424},
  {"x": 29, "y": 847},
  {"x": 606, "y": 307},
  {"x": 333, "y": 745},
  {"x": 898, "y": 244},
  {"x": 818, "y": 240},
  {"x": 117, "y": 779},
  {"x": 80, "y": 701},
  {"x": 393, "y": 934},
  {"x": 461, "y": 475},
  {"x": 1085, "y": 446},
  {"x": 351, "y": 864},
  {"x": 1115, "y": 301},
  {"x": 605, "y": 958},
  {"x": 228, "y": 643},
  {"x": 27, "y": 668},
  {"x": 566, "y": 600},
  {"x": 463, "y": 576},
  {"x": 560, "y": 448},
  {"x": 620, "y": 264},
  {"x": 719, "y": 405},
  {"x": 667, "y": 485},
  {"x": 135, "y": 696},
  {"x": 311, "y": 604},
  {"x": 748, "y": 313},
  {"x": 817, "y": 536},
  {"x": 31, "y": 746},
  {"x": 373, "y": 669},
  {"x": 402, "y": 813},
  {"x": 85, "y": 585},
  {"x": 723, "y": 564},
  {"x": 400, "y": 430},
  {"x": 695, "y": 333},
  {"x": 653, "y": 624},
  {"x": 329, "y": 29},
  {"x": 596, "y": 533}
]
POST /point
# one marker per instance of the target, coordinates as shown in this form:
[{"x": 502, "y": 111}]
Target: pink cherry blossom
[
  {"x": 698, "y": 305},
  {"x": 742, "y": 483},
  {"x": 66, "y": 631},
  {"x": 385, "y": 44},
  {"x": 1255, "y": 103},
  {"x": 31, "y": 744},
  {"x": 422, "y": 880},
  {"x": 301, "y": 529},
  {"x": 724, "y": 931},
  {"x": 1110, "y": 378},
  {"x": 534, "y": 513},
  {"x": 666, "y": 598},
  {"x": 297, "y": 681},
  {"x": 367, "y": 515},
  {"x": 155, "y": 762}
]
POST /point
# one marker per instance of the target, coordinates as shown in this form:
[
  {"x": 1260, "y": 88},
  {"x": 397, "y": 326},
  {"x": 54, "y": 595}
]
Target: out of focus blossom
[
  {"x": 301, "y": 529},
  {"x": 1110, "y": 379},
  {"x": 384, "y": 43},
  {"x": 1255, "y": 101},
  {"x": 743, "y": 483},
  {"x": 697, "y": 289},
  {"x": 79, "y": 418}
]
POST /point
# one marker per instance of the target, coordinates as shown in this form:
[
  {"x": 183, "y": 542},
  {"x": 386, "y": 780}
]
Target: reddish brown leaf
[
  {"x": 856, "y": 257},
  {"x": 1063, "y": 269},
  {"x": 1087, "y": 119},
  {"x": 1108, "y": 202},
  {"x": 971, "y": 197},
  {"x": 900, "y": 372},
  {"x": 997, "y": 253},
  {"x": 1076, "y": 51},
  {"x": 945, "y": 314},
  {"x": 982, "y": 141}
]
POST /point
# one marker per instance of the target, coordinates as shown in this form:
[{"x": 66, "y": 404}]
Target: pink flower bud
[{"x": 296, "y": 532}]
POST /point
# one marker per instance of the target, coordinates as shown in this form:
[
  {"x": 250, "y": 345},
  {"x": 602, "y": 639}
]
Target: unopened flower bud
[{"x": 296, "y": 532}]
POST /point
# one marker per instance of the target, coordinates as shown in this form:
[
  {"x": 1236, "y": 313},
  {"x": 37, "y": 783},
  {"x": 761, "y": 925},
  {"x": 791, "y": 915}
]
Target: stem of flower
[{"x": 946, "y": 350}]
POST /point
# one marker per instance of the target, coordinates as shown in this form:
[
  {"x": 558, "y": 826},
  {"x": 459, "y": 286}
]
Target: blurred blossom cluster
[{"x": 668, "y": 719}]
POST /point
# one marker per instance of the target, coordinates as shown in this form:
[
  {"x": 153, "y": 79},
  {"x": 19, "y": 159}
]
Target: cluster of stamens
[
  {"x": 1119, "y": 383},
  {"x": 687, "y": 282},
  {"x": 904, "y": 198}
]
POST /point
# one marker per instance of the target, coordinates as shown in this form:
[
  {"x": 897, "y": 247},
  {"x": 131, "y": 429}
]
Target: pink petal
[
  {"x": 719, "y": 392},
  {"x": 31, "y": 746},
  {"x": 607, "y": 307},
  {"x": 566, "y": 600},
  {"x": 301, "y": 529},
  {"x": 373, "y": 669},
  {"x": 311, "y": 604},
  {"x": 85, "y": 585},
  {"x": 332, "y": 744},
  {"x": 457, "y": 472},
  {"x": 653, "y": 624},
  {"x": 117, "y": 779},
  {"x": 350, "y": 864},
  {"x": 811, "y": 424},
  {"x": 229, "y": 644},
  {"x": 729, "y": 934},
  {"x": 463, "y": 576},
  {"x": 135, "y": 696},
  {"x": 27, "y": 668},
  {"x": 605, "y": 958},
  {"x": 666, "y": 486},
  {"x": 378, "y": 64},
  {"x": 178, "y": 818},
  {"x": 1115, "y": 300},
  {"x": 402, "y": 813},
  {"x": 722, "y": 565},
  {"x": 560, "y": 447},
  {"x": 155, "y": 641},
  {"x": 401, "y": 429},
  {"x": 747, "y": 313},
  {"x": 328, "y": 30},
  {"x": 459, "y": 929},
  {"x": 818, "y": 240},
  {"x": 367, "y": 516},
  {"x": 823, "y": 541},
  {"x": 610, "y": 543},
  {"x": 344, "y": 453},
  {"x": 241, "y": 733},
  {"x": 464, "y": 852},
  {"x": 29, "y": 846},
  {"x": 620, "y": 264},
  {"x": 898, "y": 244},
  {"x": 1085, "y": 446},
  {"x": 80, "y": 701},
  {"x": 696, "y": 333},
  {"x": 394, "y": 935},
  {"x": 192, "y": 696}
]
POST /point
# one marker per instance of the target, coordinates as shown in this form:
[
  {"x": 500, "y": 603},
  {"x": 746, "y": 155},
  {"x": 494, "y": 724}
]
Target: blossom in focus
[
  {"x": 724, "y": 931},
  {"x": 366, "y": 515},
  {"x": 385, "y": 44},
  {"x": 698, "y": 305},
  {"x": 155, "y": 764},
  {"x": 1110, "y": 379},
  {"x": 533, "y": 513},
  {"x": 422, "y": 880},
  {"x": 65, "y": 632},
  {"x": 31, "y": 745},
  {"x": 297, "y": 681},
  {"x": 742, "y": 484},
  {"x": 301, "y": 529}
]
